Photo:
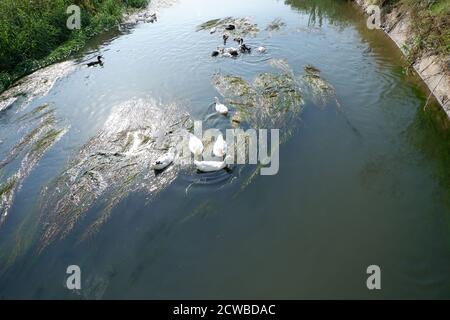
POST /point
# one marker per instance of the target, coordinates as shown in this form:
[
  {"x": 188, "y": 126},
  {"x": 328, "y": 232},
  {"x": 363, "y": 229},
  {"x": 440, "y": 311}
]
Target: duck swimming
[
  {"x": 233, "y": 52},
  {"x": 164, "y": 161},
  {"x": 153, "y": 18},
  {"x": 225, "y": 39},
  {"x": 195, "y": 145},
  {"x": 261, "y": 49},
  {"x": 98, "y": 62},
  {"x": 239, "y": 40},
  {"x": 221, "y": 108},
  {"x": 244, "y": 49},
  {"x": 210, "y": 166},
  {"x": 230, "y": 27},
  {"x": 217, "y": 52},
  {"x": 220, "y": 147}
]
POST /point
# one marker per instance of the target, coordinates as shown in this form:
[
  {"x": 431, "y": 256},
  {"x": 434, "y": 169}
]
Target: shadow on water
[
  {"x": 322, "y": 12},
  {"x": 429, "y": 133}
]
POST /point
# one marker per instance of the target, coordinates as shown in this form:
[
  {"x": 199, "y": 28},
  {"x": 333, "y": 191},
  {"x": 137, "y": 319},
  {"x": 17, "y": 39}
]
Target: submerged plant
[
  {"x": 232, "y": 86},
  {"x": 268, "y": 102},
  {"x": 113, "y": 163},
  {"x": 33, "y": 146},
  {"x": 6, "y": 196},
  {"x": 243, "y": 26},
  {"x": 210, "y": 24},
  {"x": 276, "y": 25},
  {"x": 35, "y": 85},
  {"x": 322, "y": 91}
]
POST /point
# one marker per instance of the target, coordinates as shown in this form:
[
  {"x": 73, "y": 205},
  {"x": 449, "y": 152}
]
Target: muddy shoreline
[{"x": 429, "y": 67}]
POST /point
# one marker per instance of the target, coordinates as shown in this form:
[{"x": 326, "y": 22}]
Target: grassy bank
[
  {"x": 33, "y": 33},
  {"x": 430, "y": 24}
]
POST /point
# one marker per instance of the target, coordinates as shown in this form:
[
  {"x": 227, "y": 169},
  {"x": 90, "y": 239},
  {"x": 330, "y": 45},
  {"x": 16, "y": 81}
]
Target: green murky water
[{"x": 364, "y": 172}]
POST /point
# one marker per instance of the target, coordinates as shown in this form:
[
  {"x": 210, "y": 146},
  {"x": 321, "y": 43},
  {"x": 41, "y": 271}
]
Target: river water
[{"x": 363, "y": 177}]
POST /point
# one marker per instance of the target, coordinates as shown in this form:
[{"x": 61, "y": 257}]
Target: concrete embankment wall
[{"x": 429, "y": 67}]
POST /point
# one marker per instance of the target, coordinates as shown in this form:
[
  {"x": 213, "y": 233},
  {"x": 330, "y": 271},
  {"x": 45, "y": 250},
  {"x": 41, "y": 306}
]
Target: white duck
[
  {"x": 261, "y": 49},
  {"x": 213, "y": 30},
  {"x": 164, "y": 161},
  {"x": 210, "y": 166},
  {"x": 220, "y": 147},
  {"x": 221, "y": 108},
  {"x": 195, "y": 145}
]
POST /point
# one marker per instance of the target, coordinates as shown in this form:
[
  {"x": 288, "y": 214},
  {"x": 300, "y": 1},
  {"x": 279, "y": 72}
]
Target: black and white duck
[
  {"x": 98, "y": 62},
  {"x": 244, "y": 48},
  {"x": 225, "y": 39}
]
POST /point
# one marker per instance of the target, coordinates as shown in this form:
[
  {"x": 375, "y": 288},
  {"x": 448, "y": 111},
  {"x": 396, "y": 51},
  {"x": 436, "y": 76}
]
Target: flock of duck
[
  {"x": 220, "y": 147},
  {"x": 232, "y": 51},
  {"x": 220, "y": 150}
]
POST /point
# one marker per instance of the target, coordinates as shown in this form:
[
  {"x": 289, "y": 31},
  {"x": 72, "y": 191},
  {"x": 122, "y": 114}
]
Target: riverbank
[
  {"x": 34, "y": 34},
  {"x": 426, "y": 50}
]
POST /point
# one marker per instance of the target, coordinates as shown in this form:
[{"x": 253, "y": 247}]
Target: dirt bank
[{"x": 430, "y": 67}]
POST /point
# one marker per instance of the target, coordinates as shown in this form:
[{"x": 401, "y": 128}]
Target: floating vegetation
[
  {"x": 35, "y": 85},
  {"x": 243, "y": 26},
  {"x": 133, "y": 17},
  {"x": 276, "y": 25},
  {"x": 278, "y": 91},
  {"x": 36, "y": 113},
  {"x": 210, "y": 24},
  {"x": 282, "y": 65},
  {"x": 6, "y": 196},
  {"x": 7, "y": 187},
  {"x": 47, "y": 140},
  {"x": 113, "y": 163},
  {"x": 271, "y": 101},
  {"x": 268, "y": 102},
  {"x": 6, "y": 102},
  {"x": 32, "y": 146},
  {"x": 232, "y": 86},
  {"x": 48, "y": 120},
  {"x": 322, "y": 91}
]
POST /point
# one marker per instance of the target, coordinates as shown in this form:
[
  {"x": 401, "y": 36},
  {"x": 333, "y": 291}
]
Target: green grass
[
  {"x": 33, "y": 33},
  {"x": 440, "y": 8},
  {"x": 430, "y": 23}
]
